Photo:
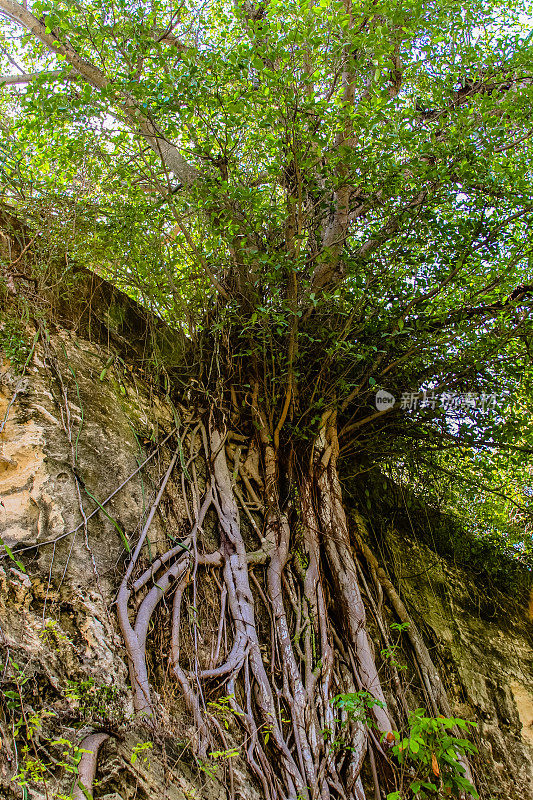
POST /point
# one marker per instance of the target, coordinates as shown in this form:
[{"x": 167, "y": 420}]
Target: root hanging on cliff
[
  {"x": 280, "y": 690},
  {"x": 83, "y": 786}
]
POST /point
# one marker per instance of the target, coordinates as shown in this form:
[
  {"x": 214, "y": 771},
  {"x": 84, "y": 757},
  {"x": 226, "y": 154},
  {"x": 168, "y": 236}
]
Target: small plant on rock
[{"x": 431, "y": 757}]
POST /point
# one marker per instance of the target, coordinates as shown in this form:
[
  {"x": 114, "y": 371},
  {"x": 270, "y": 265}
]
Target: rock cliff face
[
  {"x": 482, "y": 641},
  {"x": 82, "y": 451}
]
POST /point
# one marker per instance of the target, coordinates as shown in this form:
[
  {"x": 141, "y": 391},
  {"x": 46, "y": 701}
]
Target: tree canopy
[{"x": 338, "y": 194}]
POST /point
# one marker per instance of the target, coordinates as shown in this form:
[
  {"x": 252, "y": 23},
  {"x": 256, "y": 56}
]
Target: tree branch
[
  {"x": 168, "y": 152},
  {"x": 517, "y": 297},
  {"x": 506, "y": 82},
  {"x": 29, "y": 77}
]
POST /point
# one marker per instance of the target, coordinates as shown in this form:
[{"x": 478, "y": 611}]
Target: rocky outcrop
[
  {"x": 482, "y": 640},
  {"x": 83, "y": 446},
  {"x": 76, "y": 426}
]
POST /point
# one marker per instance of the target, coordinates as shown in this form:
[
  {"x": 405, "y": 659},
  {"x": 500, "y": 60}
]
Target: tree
[{"x": 328, "y": 198}]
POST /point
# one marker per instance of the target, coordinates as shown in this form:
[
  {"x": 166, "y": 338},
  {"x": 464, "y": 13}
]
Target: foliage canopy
[{"x": 332, "y": 196}]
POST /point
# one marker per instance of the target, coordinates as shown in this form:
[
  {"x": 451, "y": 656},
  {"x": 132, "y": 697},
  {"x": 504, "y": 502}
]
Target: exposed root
[
  {"x": 83, "y": 786},
  {"x": 295, "y": 742},
  {"x": 430, "y": 676}
]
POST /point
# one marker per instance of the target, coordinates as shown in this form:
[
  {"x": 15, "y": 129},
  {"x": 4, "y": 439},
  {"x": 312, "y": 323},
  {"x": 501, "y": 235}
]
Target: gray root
[
  {"x": 83, "y": 786},
  {"x": 430, "y": 676},
  {"x": 281, "y": 701}
]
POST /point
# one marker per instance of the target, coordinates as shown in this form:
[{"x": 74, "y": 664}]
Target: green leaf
[
  {"x": 110, "y": 518},
  {"x": 11, "y": 555}
]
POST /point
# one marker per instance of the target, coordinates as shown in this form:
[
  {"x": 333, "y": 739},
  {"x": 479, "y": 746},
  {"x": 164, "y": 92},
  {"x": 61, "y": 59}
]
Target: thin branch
[
  {"x": 171, "y": 157},
  {"x": 29, "y": 77}
]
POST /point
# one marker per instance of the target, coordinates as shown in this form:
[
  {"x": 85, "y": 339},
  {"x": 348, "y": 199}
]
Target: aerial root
[
  {"x": 430, "y": 678},
  {"x": 279, "y": 691},
  {"x": 83, "y": 786}
]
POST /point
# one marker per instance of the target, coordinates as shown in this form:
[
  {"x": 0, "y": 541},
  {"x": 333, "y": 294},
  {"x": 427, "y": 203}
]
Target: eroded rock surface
[
  {"x": 76, "y": 430},
  {"x": 482, "y": 641}
]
